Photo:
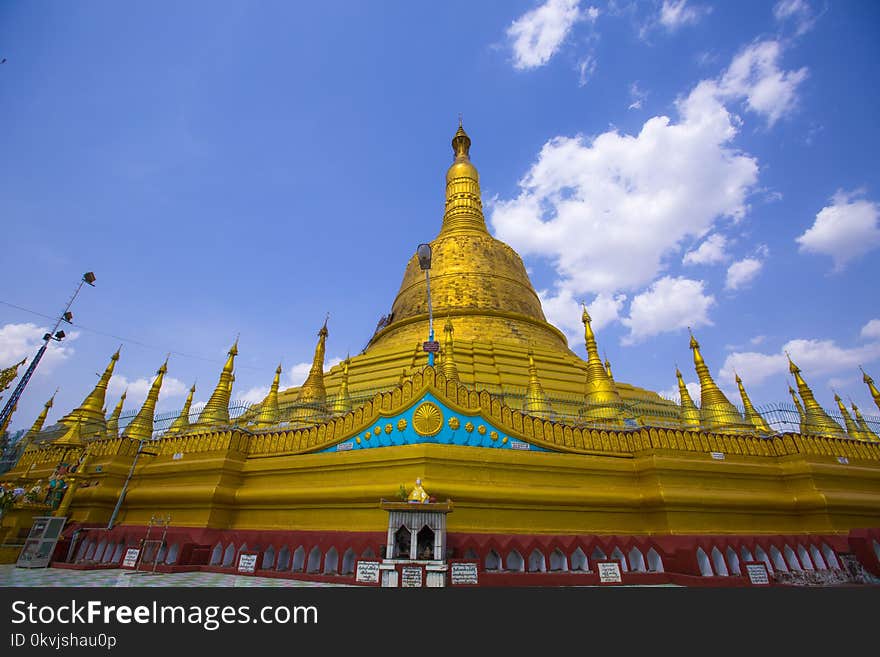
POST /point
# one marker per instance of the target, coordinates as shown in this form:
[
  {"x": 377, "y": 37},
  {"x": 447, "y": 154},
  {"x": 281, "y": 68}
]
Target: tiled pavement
[{"x": 11, "y": 575}]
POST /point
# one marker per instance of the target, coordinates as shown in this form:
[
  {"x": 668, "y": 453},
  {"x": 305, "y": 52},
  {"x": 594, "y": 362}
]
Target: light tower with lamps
[{"x": 54, "y": 334}]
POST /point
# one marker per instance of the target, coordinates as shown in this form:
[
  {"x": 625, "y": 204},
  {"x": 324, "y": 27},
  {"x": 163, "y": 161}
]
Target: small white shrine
[{"x": 415, "y": 551}]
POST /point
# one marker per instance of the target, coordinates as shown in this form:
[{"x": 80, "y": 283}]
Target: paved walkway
[{"x": 11, "y": 575}]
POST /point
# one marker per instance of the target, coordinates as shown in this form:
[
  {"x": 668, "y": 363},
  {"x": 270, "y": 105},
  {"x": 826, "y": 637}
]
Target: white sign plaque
[
  {"x": 367, "y": 572},
  {"x": 757, "y": 574},
  {"x": 464, "y": 573},
  {"x": 609, "y": 572},
  {"x": 411, "y": 576},
  {"x": 131, "y": 557},
  {"x": 718, "y": 456},
  {"x": 247, "y": 563}
]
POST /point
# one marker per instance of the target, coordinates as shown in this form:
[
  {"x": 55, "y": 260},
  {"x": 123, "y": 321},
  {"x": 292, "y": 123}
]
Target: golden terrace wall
[{"x": 594, "y": 481}]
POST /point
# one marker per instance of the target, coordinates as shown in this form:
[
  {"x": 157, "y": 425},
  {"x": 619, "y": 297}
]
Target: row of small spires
[{"x": 601, "y": 396}]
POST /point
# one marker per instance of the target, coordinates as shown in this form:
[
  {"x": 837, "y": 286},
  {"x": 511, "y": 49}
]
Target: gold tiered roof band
[{"x": 500, "y": 343}]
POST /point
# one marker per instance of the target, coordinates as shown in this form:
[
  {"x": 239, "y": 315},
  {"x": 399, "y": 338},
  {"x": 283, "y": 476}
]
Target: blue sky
[{"x": 231, "y": 168}]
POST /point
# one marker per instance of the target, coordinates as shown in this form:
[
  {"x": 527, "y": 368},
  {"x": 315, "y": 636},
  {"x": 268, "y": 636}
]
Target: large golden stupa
[{"x": 552, "y": 464}]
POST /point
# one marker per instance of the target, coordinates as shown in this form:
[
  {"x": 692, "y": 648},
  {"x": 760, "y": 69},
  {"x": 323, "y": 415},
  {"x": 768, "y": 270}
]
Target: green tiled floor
[{"x": 10, "y": 575}]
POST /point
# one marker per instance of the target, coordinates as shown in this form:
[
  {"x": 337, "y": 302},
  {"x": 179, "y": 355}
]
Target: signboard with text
[
  {"x": 464, "y": 573},
  {"x": 412, "y": 576},
  {"x": 131, "y": 558},
  {"x": 757, "y": 573},
  {"x": 367, "y": 572},
  {"x": 247, "y": 562},
  {"x": 609, "y": 572}
]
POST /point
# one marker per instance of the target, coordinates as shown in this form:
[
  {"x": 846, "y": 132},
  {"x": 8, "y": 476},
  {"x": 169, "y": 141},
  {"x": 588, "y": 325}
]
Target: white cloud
[
  {"x": 587, "y": 202},
  {"x": 586, "y": 68},
  {"x": 19, "y": 341},
  {"x": 758, "y": 339},
  {"x": 845, "y": 230},
  {"x": 814, "y": 357},
  {"x": 538, "y": 34},
  {"x": 797, "y": 11},
  {"x": 670, "y": 304},
  {"x": 754, "y": 74},
  {"x": 871, "y": 330},
  {"x": 138, "y": 388},
  {"x": 676, "y": 13},
  {"x": 637, "y": 96},
  {"x": 742, "y": 272},
  {"x": 710, "y": 252}
]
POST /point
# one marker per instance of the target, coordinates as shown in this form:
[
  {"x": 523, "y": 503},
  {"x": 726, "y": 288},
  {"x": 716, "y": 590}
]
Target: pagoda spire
[
  {"x": 91, "y": 412},
  {"x": 216, "y": 410},
  {"x": 608, "y": 369},
  {"x": 313, "y": 391},
  {"x": 141, "y": 427},
  {"x": 8, "y": 375},
  {"x": 37, "y": 426},
  {"x": 342, "y": 403},
  {"x": 802, "y": 415},
  {"x": 852, "y": 429},
  {"x": 870, "y": 383},
  {"x": 690, "y": 414},
  {"x": 601, "y": 396},
  {"x": 752, "y": 416},
  {"x": 716, "y": 411},
  {"x": 464, "y": 206},
  {"x": 447, "y": 367},
  {"x": 269, "y": 409},
  {"x": 113, "y": 420},
  {"x": 181, "y": 424},
  {"x": 866, "y": 432},
  {"x": 536, "y": 400},
  {"x": 312, "y": 394},
  {"x": 817, "y": 420}
]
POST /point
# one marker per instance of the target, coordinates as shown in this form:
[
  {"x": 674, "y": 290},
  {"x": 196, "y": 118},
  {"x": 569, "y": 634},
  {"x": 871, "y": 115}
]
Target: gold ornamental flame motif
[{"x": 427, "y": 419}]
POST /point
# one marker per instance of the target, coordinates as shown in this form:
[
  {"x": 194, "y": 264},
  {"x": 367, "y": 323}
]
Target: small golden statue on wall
[{"x": 418, "y": 495}]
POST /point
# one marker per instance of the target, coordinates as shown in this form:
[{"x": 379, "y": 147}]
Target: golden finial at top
[{"x": 461, "y": 143}]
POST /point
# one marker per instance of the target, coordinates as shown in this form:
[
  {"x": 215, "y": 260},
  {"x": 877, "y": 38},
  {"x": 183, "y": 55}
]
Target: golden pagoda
[
  {"x": 342, "y": 401},
  {"x": 89, "y": 415},
  {"x": 7, "y": 375},
  {"x": 141, "y": 427},
  {"x": 852, "y": 429},
  {"x": 716, "y": 411},
  {"x": 216, "y": 410},
  {"x": 181, "y": 422},
  {"x": 689, "y": 414},
  {"x": 603, "y": 403},
  {"x": 312, "y": 398},
  {"x": 864, "y": 429},
  {"x": 447, "y": 363},
  {"x": 752, "y": 416},
  {"x": 37, "y": 426},
  {"x": 536, "y": 401},
  {"x": 676, "y": 494},
  {"x": 817, "y": 421},
  {"x": 875, "y": 394},
  {"x": 113, "y": 421},
  {"x": 269, "y": 409},
  {"x": 802, "y": 416}
]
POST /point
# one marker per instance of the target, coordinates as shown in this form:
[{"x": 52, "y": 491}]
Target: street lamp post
[
  {"x": 424, "y": 254},
  {"x": 54, "y": 334},
  {"x": 140, "y": 450}
]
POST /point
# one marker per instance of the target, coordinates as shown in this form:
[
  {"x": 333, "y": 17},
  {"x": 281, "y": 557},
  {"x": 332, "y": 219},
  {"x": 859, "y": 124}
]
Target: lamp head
[
  {"x": 89, "y": 277},
  {"x": 424, "y": 254}
]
